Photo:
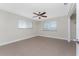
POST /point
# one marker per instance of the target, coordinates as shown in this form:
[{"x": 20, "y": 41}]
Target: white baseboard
[
  {"x": 69, "y": 40},
  {"x": 73, "y": 39},
  {"x": 5, "y": 43},
  {"x": 53, "y": 37}
]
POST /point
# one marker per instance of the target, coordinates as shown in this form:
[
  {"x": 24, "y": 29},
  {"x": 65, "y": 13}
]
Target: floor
[{"x": 39, "y": 46}]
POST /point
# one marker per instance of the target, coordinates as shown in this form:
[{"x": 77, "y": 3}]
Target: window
[
  {"x": 24, "y": 24},
  {"x": 50, "y": 25}
]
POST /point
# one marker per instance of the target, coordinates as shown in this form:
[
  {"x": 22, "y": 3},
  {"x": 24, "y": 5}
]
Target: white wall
[
  {"x": 62, "y": 29},
  {"x": 9, "y": 31},
  {"x": 77, "y": 30},
  {"x": 36, "y": 27}
]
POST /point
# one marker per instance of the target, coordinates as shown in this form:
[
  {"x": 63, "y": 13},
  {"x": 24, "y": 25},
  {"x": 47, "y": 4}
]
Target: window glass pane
[{"x": 50, "y": 25}]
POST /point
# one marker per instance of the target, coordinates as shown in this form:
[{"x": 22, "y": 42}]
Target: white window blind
[
  {"x": 50, "y": 25},
  {"x": 24, "y": 24}
]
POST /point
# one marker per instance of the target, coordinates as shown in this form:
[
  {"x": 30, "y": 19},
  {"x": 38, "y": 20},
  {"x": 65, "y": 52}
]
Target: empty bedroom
[{"x": 37, "y": 29}]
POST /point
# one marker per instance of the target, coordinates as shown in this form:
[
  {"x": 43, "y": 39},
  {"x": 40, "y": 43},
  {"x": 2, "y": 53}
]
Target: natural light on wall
[
  {"x": 24, "y": 24},
  {"x": 50, "y": 25}
]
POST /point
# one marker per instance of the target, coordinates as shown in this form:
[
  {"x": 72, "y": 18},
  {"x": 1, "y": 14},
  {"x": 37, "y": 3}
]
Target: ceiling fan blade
[
  {"x": 35, "y": 13},
  {"x": 35, "y": 16},
  {"x": 39, "y": 12},
  {"x": 43, "y": 13},
  {"x": 43, "y": 16}
]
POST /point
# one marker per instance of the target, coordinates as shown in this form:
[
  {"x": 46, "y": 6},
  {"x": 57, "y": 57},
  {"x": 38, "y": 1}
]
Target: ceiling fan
[{"x": 40, "y": 14}]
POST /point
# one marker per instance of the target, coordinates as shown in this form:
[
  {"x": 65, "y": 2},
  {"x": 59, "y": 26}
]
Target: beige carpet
[{"x": 39, "y": 46}]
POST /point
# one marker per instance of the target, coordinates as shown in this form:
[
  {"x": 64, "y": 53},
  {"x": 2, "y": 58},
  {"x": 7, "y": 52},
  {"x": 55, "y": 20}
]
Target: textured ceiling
[{"x": 27, "y": 9}]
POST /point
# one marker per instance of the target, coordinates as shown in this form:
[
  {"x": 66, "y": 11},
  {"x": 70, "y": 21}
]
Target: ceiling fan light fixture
[
  {"x": 65, "y": 3},
  {"x": 40, "y": 14}
]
